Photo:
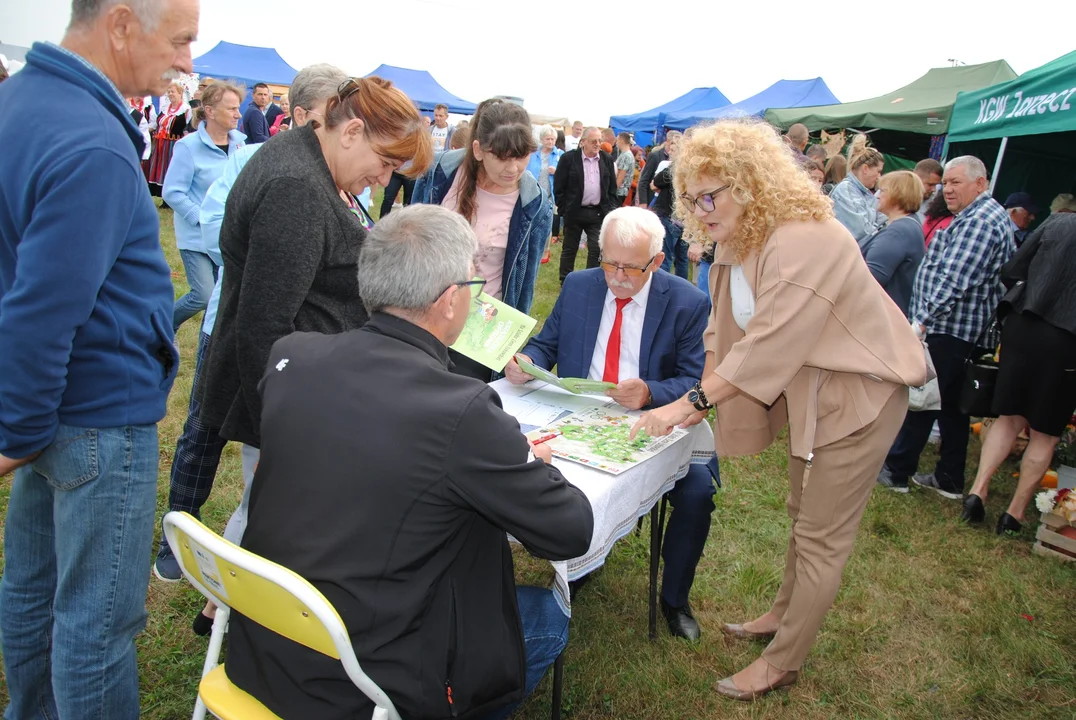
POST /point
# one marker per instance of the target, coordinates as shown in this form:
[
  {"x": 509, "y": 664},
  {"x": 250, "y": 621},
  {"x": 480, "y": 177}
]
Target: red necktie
[{"x": 612, "y": 348}]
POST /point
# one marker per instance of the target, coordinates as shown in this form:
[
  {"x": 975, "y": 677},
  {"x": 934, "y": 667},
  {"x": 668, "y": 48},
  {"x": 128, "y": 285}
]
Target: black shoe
[
  {"x": 202, "y": 625},
  {"x": 681, "y": 621},
  {"x": 1008, "y": 525},
  {"x": 973, "y": 512},
  {"x": 886, "y": 480}
]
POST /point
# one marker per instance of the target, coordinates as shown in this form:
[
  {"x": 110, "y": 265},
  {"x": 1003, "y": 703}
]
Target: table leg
[
  {"x": 657, "y": 529},
  {"x": 558, "y": 685}
]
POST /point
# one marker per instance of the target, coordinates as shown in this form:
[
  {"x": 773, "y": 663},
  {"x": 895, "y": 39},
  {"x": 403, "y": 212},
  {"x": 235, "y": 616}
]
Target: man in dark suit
[
  {"x": 659, "y": 320},
  {"x": 389, "y": 483},
  {"x": 585, "y": 188},
  {"x": 255, "y": 125}
]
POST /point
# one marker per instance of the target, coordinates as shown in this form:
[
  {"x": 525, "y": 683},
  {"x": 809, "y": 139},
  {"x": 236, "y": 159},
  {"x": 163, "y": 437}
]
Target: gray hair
[
  {"x": 592, "y": 128},
  {"x": 626, "y": 226},
  {"x": 314, "y": 84},
  {"x": 673, "y": 134},
  {"x": 84, "y": 12},
  {"x": 546, "y": 130},
  {"x": 973, "y": 166},
  {"x": 412, "y": 256}
]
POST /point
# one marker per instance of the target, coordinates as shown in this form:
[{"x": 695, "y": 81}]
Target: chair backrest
[{"x": 269, "y": 594}]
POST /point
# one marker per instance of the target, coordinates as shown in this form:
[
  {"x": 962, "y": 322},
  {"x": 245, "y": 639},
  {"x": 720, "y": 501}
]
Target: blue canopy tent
[
  {"x": 645, "y": 125},
  {"x": 423, "y": 90},
  {"x": 782, "y": 94},
  {"x": 246, "y": 64}
]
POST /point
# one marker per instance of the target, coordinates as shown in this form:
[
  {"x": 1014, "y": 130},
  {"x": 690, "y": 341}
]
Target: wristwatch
[{"x": 697, "y": 398}]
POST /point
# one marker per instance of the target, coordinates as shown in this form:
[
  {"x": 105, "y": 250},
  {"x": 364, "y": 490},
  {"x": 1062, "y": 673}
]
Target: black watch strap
[{"x": 700, "y": 402}]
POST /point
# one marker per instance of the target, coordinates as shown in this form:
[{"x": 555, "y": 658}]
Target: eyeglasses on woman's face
[{"x": 704, "y": 202}]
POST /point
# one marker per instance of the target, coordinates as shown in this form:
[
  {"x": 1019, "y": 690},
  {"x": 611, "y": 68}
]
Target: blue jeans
[
  {"x": 80, "y": 521},
  {"x": 703, "y": 279},
  {"x": 194, "y": 465},
  {"x": 201, "y": 276},
  {"x": 692, "y": 501},
  {"x": 545, "y": 634},
  {"x": 675, "y": 248}
]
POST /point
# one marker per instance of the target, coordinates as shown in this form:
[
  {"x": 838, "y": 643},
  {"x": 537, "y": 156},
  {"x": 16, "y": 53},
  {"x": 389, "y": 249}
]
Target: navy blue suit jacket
[
  {"x": 255, "y": 126},
  {"x": 671, "y": 355}
]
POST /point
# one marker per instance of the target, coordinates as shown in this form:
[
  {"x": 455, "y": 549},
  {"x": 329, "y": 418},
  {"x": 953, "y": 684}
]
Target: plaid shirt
[{"x": 957, "y": 287}]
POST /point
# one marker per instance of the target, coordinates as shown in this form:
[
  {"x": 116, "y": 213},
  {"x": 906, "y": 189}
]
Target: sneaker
[
  {"x": 886, "y": 480},
  {"x": 930, "y": 482},
  {"x": 166, "y": 567}
]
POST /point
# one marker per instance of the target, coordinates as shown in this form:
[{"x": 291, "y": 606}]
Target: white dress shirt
[{"x": 631, "y": 334}]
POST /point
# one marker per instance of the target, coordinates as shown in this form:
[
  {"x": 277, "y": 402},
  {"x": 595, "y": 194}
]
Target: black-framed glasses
[
  {"x": 629, "y": 270},
  {"x": 704, "y": 202},
  {"x": 475, "y": 285}
]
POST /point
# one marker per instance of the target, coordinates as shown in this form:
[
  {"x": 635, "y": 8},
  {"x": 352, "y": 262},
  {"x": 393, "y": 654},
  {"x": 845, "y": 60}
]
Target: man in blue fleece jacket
[{"x": 87, "y": 356}]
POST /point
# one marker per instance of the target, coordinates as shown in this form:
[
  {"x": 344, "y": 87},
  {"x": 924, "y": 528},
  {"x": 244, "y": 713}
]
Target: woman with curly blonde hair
[{"x": 799, "y": 334}]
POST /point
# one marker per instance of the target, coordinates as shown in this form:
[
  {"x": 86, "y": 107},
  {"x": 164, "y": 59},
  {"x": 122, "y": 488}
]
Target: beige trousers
[{"x": 825, "y": 518}]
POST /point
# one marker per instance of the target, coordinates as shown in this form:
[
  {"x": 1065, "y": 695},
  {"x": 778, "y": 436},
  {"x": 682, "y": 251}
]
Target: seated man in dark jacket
[{"x": 389, "y": 483}]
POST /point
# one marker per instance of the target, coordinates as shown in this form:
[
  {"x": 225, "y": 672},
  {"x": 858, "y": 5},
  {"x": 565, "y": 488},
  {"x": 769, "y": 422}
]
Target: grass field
[{"x": 934, "y": 620}]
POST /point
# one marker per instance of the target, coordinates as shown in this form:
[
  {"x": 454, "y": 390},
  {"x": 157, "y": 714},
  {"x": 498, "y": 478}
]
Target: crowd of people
[{"x": 324, "y": 351}]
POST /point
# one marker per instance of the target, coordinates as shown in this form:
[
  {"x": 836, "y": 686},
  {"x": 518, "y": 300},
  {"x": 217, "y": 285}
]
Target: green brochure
[
  {"x": 493, "y": 333},
  {"x": 573, "y": 385}
]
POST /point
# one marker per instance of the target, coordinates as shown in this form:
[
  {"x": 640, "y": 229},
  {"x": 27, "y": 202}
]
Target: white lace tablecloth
[{"x": 618, "y": 501}]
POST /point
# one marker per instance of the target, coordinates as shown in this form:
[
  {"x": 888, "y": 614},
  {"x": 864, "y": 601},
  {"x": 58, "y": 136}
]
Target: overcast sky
[{"x": 590, "y": 60}]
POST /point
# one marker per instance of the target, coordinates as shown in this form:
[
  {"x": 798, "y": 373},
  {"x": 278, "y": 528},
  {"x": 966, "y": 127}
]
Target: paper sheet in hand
[
  {"x": 576, "y": 386},
  {"x": 598, "y": 438},
  {"x": 493, "y": 333}
]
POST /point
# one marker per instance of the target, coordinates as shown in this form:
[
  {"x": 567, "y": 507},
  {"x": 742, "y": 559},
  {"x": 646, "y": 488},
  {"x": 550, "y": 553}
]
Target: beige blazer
[{"x": 824, "y": 351}]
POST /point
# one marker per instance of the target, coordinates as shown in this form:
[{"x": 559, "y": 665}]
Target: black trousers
[
  {"x": 948, "y": 354},
  {"x": 584, "y": 220},
  {"x": 398, "y": 181}
]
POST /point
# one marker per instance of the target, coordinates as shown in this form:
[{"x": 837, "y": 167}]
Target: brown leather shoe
[
  {"x": 739, "y": 631},
  {"x": 728, "y": 688}
]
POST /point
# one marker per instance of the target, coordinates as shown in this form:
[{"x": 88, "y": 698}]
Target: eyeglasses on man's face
[
  {"x": 629, "y": 270},
  {"x": 704, "y": 202},
  {"x": 475, "y": 285}
]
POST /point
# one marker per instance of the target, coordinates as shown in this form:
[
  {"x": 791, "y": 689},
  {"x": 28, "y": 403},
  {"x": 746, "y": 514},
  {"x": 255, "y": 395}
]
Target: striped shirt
[{"x": 957, "y": 287}]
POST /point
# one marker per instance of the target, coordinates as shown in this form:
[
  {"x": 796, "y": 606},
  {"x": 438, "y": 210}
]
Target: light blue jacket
[
  {"x": 856, "y": 207},
  {"x": 196, "y": 163},
  {"x": 534, "y": 167},
  {"x": 210, "y": 218}
]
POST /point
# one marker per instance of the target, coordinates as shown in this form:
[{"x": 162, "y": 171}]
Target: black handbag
[
  {"x": 980, "y": 377},
  {"x": 977, "y": 391}
]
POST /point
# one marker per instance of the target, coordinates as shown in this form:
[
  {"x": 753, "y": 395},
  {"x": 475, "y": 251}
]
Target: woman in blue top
[
  {"x": 893, "y": 253},
  {"x": 853, "y": 199},
  {"x": 487, "y": 183},
  {"x": 542, "y": 165},
  {"x": 197, "y": 161}
]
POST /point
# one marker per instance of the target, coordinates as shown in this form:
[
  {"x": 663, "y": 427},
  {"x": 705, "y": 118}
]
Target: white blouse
[{"x": 743, "y": 300}]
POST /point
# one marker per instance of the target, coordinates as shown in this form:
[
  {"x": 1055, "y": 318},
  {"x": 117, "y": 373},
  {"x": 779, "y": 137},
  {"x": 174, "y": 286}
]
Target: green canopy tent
[
  {"x": 902, "y": 122},
  {"x": 1025, "y": 128}
]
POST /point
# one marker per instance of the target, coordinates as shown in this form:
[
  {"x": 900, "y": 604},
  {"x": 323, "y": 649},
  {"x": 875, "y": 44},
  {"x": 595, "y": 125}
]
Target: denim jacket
[
  {"x": 856, "y": 207},
  {"x": 531, "y": 223},
  {"x": 534, "y": 167}
]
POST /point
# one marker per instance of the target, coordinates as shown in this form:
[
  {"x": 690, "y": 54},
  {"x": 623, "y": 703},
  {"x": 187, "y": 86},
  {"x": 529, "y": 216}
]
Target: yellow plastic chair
[{"x": 270, "y": 595}]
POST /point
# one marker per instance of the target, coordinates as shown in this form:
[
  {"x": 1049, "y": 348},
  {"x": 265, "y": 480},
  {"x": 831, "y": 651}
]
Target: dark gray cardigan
[{"x": 290, "y": 247}]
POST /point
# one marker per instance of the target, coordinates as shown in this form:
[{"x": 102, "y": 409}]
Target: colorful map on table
[{"x": 598, "y": 437}]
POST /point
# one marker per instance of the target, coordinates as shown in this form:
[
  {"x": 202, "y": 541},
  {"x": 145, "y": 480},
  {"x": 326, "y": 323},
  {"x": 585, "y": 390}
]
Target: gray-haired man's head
[
  {"x": 964, "y": 181},
  {"x": 413, "y": 264},
  {"x": 311, "y": 89},
  {"x": 140, "y": 45}
]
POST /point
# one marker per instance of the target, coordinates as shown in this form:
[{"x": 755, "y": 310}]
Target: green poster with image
[{"x": 493, "y": 333}]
